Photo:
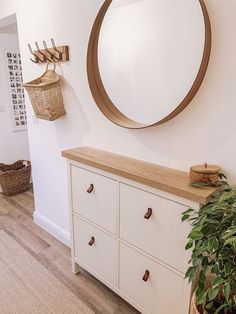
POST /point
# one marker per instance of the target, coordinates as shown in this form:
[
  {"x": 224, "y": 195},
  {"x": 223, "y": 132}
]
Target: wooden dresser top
[{"x": 166, "y": 179}]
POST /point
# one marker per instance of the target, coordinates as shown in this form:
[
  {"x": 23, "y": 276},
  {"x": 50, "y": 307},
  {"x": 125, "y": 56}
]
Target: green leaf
[
  {"x": 205, "y": 261},
  {"x": 200, "y": 295},
  {"x": 189, "y": 245},
  {"x": 188, "y": 211},
  {"x": 202, "y": 249},
  {"x": 227, "y": 290},
  {"x": 220, "y": 206},
  {"x": 216, "y": 269},
  {"x": 221, "y": 263},
  {"x": 213, "y": 292},
  {"x": 202, "y": 276},
  {"x": 195, "y": 235},
  {"x": 228, "y": 216},
  {"x": 185, "y": 217},
  {"x": 229, "y": 241},
  {"x": 196, "y": 261},
  {"x": 234, "y": 244},
  {"x": 201, "y": 221},
  {"x": 199, "y": 184},
  {"x": 228, "y": 268},
  {"x": 197, "y": 227},
  {"x": 209, "y": 306},
  {"x": 217, "y": 281},
  {"x": 225, "y": 252},
  {"x": 220, "y": 308},
  {"x": 227, "y": 196},
  {"x": 212, "y": 221},
  {"x": 229, "y": 232},
  {"x": 213, "y": 244},
  {"x": 205, "y": 269},
  {"x": 190, "y": 273},
  {"x": 201, "y": 285},
  {"x": 222, "y": 175}
]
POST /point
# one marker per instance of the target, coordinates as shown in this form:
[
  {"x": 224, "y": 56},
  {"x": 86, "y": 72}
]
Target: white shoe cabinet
[{"x": 126, "y": 227}]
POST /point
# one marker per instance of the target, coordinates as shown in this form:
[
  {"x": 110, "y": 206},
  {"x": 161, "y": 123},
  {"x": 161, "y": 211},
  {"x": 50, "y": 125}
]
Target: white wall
[
  {"x": 13, "y": 145},
  {"x": 204, "y": 132}
]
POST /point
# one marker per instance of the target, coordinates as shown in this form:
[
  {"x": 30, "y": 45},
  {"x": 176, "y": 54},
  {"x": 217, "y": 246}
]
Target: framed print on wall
[{"x": 17, "y": 96}]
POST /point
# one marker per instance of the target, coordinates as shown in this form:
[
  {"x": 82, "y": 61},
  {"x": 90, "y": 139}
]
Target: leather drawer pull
[
  {"x": 148, "y": 214},
  {"x": 146, "y": 275},
  {"x": 91, "y": 242},
  {"x": 90, "y": 189}
]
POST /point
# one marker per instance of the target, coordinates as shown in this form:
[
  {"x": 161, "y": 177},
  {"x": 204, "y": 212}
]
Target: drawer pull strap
[
  {"x": 148, "y": 214},
  {"x": 91, "y": 242},
  {"x": 146, "y": 275},
  {"x": 90, "y": 189}
]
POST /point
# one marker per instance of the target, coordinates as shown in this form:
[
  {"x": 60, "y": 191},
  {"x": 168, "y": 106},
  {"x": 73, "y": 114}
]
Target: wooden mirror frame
[{"x": 99, "y": 93}]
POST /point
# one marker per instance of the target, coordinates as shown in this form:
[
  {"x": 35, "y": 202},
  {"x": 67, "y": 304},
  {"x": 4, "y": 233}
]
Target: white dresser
[{"x": 126, "y": 227}]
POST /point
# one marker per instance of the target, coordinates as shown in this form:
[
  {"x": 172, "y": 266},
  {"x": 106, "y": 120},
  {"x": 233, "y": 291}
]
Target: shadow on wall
[{"x": 74, "y": 122}]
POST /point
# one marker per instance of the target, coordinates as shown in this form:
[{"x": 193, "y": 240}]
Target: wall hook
[
  {"x": 48, "y": 51},
  {"x": 52, "y": 54},
  {"x": 57, "y": 50},
  {"x": 36, "y": 58},
  {"x": 44, "y": 57}
]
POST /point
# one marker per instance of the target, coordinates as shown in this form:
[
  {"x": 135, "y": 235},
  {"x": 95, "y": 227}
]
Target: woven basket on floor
[
  {"x": 46, "y": 96},
  {"x": 15, "y": 178}
]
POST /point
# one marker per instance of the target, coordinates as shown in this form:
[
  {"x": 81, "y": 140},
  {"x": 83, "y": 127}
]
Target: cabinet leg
[{"x": 75, "y": 268}]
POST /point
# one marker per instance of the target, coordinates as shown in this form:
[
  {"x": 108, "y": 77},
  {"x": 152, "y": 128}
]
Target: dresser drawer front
[
  {"x": 162, "y": 293},
  {"x": 161, "y": 235},
  {"x": 98, "y": 206},
  {"x": 100, "y": 255}
]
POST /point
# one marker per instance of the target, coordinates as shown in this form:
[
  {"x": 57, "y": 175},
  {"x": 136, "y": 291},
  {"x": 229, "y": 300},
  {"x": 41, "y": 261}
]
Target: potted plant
[{"x": 212, "y": 242}]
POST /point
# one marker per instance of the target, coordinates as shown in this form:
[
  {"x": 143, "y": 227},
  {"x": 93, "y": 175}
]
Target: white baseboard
[{"x": 56, "y": 231}]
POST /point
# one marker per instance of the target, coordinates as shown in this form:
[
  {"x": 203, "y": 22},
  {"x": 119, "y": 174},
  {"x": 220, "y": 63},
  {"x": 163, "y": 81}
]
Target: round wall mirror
[{"x": 147, "y": 58}]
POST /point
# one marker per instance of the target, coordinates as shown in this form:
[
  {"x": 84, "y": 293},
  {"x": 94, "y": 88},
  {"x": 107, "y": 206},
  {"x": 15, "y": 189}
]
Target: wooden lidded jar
[{"x": 204, "y": 173}]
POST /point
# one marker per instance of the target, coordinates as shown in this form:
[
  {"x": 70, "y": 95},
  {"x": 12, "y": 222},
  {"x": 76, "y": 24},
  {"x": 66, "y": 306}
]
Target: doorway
[{"x": 14, "y": 143}]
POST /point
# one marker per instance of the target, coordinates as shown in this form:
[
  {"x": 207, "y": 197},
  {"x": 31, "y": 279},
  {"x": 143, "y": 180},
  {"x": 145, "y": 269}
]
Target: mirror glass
[{"x": 149, "y": 55}]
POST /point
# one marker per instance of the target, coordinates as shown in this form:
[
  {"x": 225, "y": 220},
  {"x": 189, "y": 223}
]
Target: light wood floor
[{"x": 16, "y": 219}]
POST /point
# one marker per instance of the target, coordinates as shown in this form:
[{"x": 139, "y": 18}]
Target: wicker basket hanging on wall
[{"x": 46, "y": 96}]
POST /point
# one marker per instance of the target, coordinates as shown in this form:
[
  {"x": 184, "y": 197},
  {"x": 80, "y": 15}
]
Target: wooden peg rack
[{"x": 52, "y": 52}]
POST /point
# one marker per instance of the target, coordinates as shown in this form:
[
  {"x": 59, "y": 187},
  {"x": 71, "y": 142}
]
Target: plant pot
[{"x": 193, "y": 307}]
